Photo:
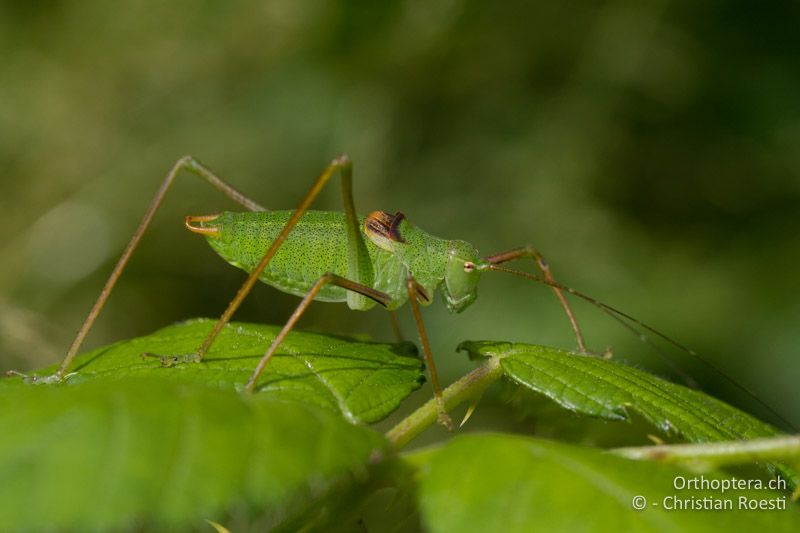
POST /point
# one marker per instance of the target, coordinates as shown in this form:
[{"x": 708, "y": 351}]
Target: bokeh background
[{"x": 650, "y": 149}]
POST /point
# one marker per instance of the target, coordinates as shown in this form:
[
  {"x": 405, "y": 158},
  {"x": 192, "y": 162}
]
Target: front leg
[{"x": 544, "y": 267}]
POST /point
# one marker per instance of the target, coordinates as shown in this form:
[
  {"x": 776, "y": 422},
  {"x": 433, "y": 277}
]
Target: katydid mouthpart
[{"x": 338, "y": 257}]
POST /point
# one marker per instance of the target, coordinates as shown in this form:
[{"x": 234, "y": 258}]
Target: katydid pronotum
[{"x": 336, "y": 257}]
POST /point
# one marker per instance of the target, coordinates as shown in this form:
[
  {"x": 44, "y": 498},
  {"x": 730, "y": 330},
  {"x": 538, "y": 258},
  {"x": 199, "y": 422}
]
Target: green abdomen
[{"x": 315, "y": 246}]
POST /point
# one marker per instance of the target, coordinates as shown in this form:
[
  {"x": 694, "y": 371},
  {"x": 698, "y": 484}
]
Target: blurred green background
[{"x": 649, "y": 149}]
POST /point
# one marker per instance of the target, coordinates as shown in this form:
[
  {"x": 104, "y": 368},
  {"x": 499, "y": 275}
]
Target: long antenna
[{"x": 627, "y": 320}]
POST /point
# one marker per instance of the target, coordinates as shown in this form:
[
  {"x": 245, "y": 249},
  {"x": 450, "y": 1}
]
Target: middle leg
[
  {"x": 414, "y": 293},
  {"x": 326, "y": 279}
]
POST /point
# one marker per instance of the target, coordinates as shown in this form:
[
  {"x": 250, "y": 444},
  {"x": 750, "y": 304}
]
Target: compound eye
[{"x": 469, "y": 266}]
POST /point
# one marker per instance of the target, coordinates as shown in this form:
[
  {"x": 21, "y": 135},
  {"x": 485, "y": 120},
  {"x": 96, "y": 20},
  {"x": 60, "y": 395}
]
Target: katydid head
[{"x": 461, "y": 277}]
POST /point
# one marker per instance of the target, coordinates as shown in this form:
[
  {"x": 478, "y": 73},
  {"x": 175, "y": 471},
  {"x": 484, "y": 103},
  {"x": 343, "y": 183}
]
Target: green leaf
[
  {"x": 508, "y": 483},
  {"x": 610, "y": 390},
  {"x": 386, "y": 502},
  {"x": 147, "y": 452},
  {"x": 365, "y": 381}
]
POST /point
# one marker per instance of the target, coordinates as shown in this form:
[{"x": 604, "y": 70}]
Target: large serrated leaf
[
  {"x": 150, "y": 452},
  {"x": 606, "y": 389},
  {"x": 508, "y": 483},
  {"x": 365, "y": 381}
]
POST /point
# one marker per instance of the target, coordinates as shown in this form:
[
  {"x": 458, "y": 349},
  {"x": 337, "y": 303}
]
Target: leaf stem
[
  {"x": 465, "y": 388},
  {"x": 719, "y": 453}
]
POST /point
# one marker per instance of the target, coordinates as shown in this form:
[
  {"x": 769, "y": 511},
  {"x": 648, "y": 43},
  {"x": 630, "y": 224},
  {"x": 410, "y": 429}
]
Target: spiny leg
[
  {"x": 544, "y": 267},
  {"x": 326, "y": 279},
  {"x": 356, "y": 247},
  {"x": 184, "y": 163},
  {"x": 414, "y": 293}
]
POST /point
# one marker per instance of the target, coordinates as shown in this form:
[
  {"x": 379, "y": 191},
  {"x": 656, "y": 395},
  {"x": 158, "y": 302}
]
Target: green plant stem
[
  {"x": 465, "y": 388},
  {"x": 719, "y": 453}
]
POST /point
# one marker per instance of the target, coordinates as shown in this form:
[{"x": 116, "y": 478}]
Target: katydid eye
[{"x": 469, "y": 266}]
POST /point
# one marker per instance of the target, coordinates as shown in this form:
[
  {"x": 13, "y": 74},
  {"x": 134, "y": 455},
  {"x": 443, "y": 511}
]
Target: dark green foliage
[
  {"x": 151, "y": 452},
  {"x": 125, "y": 443},
  {"x": 365, "y": 381},
  {"x": 606, "y": 389},
  {"x": 509, "y": 483}
]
